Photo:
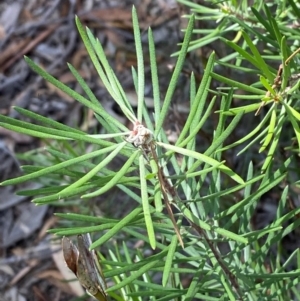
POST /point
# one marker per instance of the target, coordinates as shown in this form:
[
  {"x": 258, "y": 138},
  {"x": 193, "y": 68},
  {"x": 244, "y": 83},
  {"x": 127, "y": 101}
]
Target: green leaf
[
  {"x": 260, "y": 63},
  {"x": 194, "y": 219},
  {"x": 252, "y": 133},
  {"x": 107, "y": 76},
  {"x": 145, "y": 201},
  {"x": 65, "y": 192},
  {"x": 94, "y": 100},
  {"x": 116, "y": 228},
  {"x": 202, "y": 158},
  {"x": 243, "y": 109},
  {"x": 242, "y": 52},
  {"x": 175, "y": 76},
  {"x": 293, "y": 116},
  {"x": 277, "y": 132},
  {"x": 271, "y": 130},
  {"x": 296, "y": 9},
  {"x": 239, "y": 209},
  {"x": 238, "y": 85},
  {"x": 197, "y": 107},
  {"x": 143, "y": 269},
  {"x": 263, "y": 21},
  {"x": 157, "y": 191},
  {"x": 274, "y": 25},
  {"x": 268, "y": 87},
  {"x": 67, "y": 90},
  {"x": 47, "y": 121},
  {"x": 154, "y": 76},
  {"x": 115, "y": 180},
  {"x": 292, "y": 111},
  {"x": 169, "y": 260},
  {"x": 140, "y": 63},
  {"x": 51, "y": 169}
]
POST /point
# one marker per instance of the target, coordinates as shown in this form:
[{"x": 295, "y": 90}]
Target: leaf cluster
[{"x": 224, "y": 256}]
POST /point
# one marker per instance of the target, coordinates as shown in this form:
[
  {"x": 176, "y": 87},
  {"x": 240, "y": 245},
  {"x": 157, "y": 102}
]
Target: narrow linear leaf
[
  {"x": 79, "y": 191},
  {"x": 189, "y": 215},
  {"x": 274, "y": 24},
  {"x": 65, "y": 88},
  {"x": 92, "y": 97},
  {"x": 198, "y": 103},
  {"x": 245, "y": 109},
  {"x": 140, "y": 63},
  {"x": 145, "y": 202},
  {"x": 169, "y": 260},
  {"x": 104, "y": 70},
  {"x": 33, "y": 133},
  {"x": 291, "y": 115},
  {"x": 252, "y": 133},
  {"x": 145, "y": 268},
  {"x": 266, "y": 84},
  {"x": 270, "y": 133},
  {"x": 85, "y": 218},
  {"x": 275, "y": 141},
  {"x": 95, "y": 170},
  {"x": 194, "y": 128},
  {"x": 51, "y": 169},
  {"x": 83, "y": 230},
  {"x": 204, "y": 159},
  {"x": 292, "y": 111},
  {"x": 175, "y": 75},
  {"x": 115, "y": 229},
  {"x": 47, "y": 121},
  {"x": 157, "y": 191},
  {"x": 154, "y": 76},
  {"x": 235, "y": 84},
  {"x": 242, "y": 52},
  {"x": 113, "y": 85},
  {"x": 296, "y": 9},
  {"x": 114, "y": 181},
  {"x": 261, "y": 64},
  {"x": 263, "y": 21}
]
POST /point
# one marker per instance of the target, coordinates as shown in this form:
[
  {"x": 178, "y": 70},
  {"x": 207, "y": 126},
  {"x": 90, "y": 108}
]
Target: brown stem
[{"x": 166, "y": 189}]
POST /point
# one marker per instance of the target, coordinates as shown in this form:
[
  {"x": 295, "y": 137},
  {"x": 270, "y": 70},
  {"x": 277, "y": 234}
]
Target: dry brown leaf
[
  {"x": 47, "y": 225},
  {"x": 31, "y": 264},
  {"x": 2, "y": 32},
  {"x": 66, "y": 274},
  {"x": 55, "y": 278},
  {"x": 78, "y": 57},
  {"x": 43, "y": 35},
  {"x": 12, "y": 49},
  {"x": 113, "y": 17},
  {"x": 38, "y": 294},
  {"x": 7, "y": 269}
]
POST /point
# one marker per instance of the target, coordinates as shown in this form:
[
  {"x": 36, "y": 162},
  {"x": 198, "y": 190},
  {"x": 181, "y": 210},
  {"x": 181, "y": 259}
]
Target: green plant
[{"x": 188, "y": 243}]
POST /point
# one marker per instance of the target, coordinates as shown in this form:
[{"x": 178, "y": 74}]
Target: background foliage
[{"x": 215, "y": 190}]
